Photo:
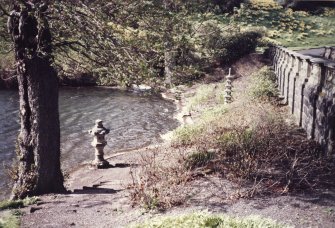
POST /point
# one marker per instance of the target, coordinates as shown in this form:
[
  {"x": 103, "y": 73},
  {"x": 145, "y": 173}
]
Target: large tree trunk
[
  {"x": 38, "y": 151},
  {"x": 39, "y": 138}
]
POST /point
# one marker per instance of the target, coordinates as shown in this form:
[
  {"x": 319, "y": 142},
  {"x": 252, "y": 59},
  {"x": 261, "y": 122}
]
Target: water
[{"x": 135, "y": 120}]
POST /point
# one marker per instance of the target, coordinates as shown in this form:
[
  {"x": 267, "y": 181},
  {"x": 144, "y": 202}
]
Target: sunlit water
[{"x": 135, "y": 120}]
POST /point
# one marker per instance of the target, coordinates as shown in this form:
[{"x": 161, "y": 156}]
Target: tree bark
[{"x": 38, "y": 148}]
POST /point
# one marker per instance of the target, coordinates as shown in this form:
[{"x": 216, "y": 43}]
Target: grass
[
  {"x": 295, "y": 29},
  {"x": 202, "y": 95},
  {"x": 14, "y": 204},
  {"x": 206, "y": 220},
  {"x": 207, "y": 104},
  {"x": 12, "y": 220},
  {"x": 263, "y": 84}
]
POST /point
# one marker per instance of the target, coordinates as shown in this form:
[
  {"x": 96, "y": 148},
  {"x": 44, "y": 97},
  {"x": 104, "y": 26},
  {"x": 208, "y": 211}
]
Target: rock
[
  {"x": 33, "y": 209},
  {"x": 141, "y": 88}
]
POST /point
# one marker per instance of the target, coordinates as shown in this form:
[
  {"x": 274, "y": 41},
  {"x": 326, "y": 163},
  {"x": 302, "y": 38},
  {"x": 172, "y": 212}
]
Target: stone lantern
[
  {"x": 99, "y": 142},
  {"x": 228, "y": 88}
]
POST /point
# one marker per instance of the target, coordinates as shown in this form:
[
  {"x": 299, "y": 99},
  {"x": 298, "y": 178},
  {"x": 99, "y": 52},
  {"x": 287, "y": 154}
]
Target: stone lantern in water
[{"x": 99, "y": 142}]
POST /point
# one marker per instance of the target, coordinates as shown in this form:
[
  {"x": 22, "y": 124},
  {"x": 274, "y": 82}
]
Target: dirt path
[{"x": 100, "y": 198}]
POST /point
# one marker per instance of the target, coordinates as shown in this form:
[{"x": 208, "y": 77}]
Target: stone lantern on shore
[{"x": 99, "y": 142}]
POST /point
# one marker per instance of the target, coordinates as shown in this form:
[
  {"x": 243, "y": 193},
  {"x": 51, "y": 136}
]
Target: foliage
[
  {"x": 288, "y": 27},
  {"x": 203, "y": 220},
  {"x": 11, "y": 221},
  {"x": 199, "y": 159},
  {"x": 12, "y": 204},
  {"x": 263, "y": 84},
  {"x": 121, "y": 43}
]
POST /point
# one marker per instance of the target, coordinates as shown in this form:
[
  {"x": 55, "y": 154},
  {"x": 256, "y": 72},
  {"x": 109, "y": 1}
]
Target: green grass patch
[
  {"x": 13, "y": 204},
  {"x": 205, "y": 220},
  {"x": 12, "y": 220},
  {"x": 298, "y": 29},
  {"x": 187, "y": 135},
  {"x": 203, "y": 94},
  {"x": 263, "y": 84}
]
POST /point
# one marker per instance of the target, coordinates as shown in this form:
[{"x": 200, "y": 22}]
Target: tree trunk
[
  {"x": 169, "y": 64},
  {"x": 169, "y": 58},
  {"x": 39, "y": 138},
  {"x": 38, "y": 148}
]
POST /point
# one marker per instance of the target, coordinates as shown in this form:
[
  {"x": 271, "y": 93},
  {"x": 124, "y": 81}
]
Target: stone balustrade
[
  {"x": 307, "y": 85},
  {"x": 329, "y": 53}
]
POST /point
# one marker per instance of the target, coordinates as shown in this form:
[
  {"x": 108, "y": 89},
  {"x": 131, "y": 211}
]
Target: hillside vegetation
[{"x": 117, "y": 43}]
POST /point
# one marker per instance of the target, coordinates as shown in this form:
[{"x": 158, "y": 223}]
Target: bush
[
  {"x": 226, "y": 46},
  {"x": 199, "y": 159}
]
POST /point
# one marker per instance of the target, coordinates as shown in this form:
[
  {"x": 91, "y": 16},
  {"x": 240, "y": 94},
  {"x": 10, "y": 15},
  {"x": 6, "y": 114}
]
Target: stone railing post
[
  {"x": 327, "y": 52},
  {"x": 288, "y": 76},
  {"x": 325, "y": 115},
  {"x": 301, "y": 80},
  {"x": 311, "y": 94},
  {"x": 293, "y": 78}
]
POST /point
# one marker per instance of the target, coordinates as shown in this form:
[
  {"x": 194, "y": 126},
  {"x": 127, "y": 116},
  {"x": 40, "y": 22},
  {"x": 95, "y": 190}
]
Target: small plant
[{"x": 199, "y": 159}]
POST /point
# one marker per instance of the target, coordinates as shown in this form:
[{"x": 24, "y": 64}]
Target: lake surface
[{"x": 135, "y": 120}]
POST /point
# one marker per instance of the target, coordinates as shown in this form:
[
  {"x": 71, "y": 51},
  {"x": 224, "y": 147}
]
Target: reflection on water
[{"x": 134, "y": 121}]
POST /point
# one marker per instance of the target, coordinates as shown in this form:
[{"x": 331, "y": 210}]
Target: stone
[
  {"x": 141, "y": 88},
  {"x": 307, "y": 83},
  {"x": 99, "y": 142}
]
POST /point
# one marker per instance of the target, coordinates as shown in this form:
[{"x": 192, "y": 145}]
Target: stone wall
[
  {"x": 307, "y": 85},
  {"x": 329, "y": 53}
]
